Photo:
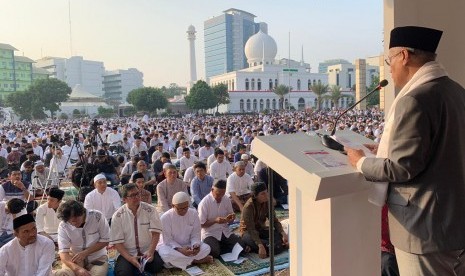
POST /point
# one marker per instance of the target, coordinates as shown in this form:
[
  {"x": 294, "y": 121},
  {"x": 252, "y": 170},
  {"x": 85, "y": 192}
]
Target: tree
[
  {"x": 374, "y": 98},
  {"x": 42, "y": 95},
  {"x": 147, "y": 99},
  {"x": 281, "y": 90},
  {"x": 335, "y": 94},
  {"x": 105, "y": 112},
  {"x": 221, "y": 93},
  {"x": 200, "y": 96},
  {"x": 320, "y": 90}
]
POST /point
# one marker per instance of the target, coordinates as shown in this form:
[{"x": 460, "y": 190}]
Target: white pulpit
[{"x": 333, "y": 229}]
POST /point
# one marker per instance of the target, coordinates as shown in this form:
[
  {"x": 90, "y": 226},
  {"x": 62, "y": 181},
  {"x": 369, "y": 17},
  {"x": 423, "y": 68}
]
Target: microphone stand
[{"x": 331, "y": 143}]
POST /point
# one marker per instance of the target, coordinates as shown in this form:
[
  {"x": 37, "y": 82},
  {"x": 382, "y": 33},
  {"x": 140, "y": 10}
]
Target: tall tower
[{"x": 193, "y": 71}]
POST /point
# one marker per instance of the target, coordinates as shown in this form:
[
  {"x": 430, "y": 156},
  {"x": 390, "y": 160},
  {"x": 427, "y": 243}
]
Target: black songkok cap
[
  {"x": 258, "y": 187},
  {"x": 415, "y": 37},
  {"x": 22, "y": 220},
  {"x": 56, "y": 193}
]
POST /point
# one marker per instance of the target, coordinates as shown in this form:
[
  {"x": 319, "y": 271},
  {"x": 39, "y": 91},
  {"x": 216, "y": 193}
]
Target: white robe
[
  {"x": 181, "y": 231},
  {"x": 34, "y": 259}
]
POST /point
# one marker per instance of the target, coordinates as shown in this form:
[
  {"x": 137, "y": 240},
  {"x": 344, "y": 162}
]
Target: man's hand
[
  {"x": 195, "y": 249},
  {"x": 220, "y": 220},
  {"x": 19, "y": 185},
  {"x": 186, "y": 251},
  {"x": 148, "y": 255},
  {"x": 79, "y": 257},
  {"x": 354, "y": 155},
  {"x": 285, "y": 238},
  {"x": 372, "y": 147},
  {"x": 261, "y": 251},
  {"x": 231, "y": 217},
  {"x": 134, "y": 261}
]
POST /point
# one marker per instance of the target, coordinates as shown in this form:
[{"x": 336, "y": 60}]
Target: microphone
[{"x": 326, "y": 139}]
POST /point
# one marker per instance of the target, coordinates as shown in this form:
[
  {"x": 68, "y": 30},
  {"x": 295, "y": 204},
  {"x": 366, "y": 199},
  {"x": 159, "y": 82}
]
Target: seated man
[
  {"x": 168, "y": 187},
  {"x": 39, "y": 179},
  {"x": 149, "y": 177},
  {"x": 82, "y": 239},
  {"x": 15, "y": 207},
  {"x": 215, "y": 212},
  {"x": 181, "y": 244},
  {"x": 139, "y": 180},
  {"x": 103, "y": 198},
  {"x": 220, "y": 168},
  {"x": 187, "y": 160},
  {"x": 253, "y": 229},
  {"x": 28, "y": 253},
  {"x": 135, "y": 232},
  {"x": 201, "y": 184},
  {"x": 238, "y": 186},
  {"x": 15, "y": 187},
  {"x": 47, "y": 221},
  {"x": 107, "y": 165}
]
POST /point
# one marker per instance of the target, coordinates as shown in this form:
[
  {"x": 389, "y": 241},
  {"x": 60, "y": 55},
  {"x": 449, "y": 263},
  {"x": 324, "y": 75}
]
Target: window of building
[
  {"x": 314, "y": 82},
  {"x": 261, "y": 104},
  {"x": 248, "y": 104},
  {"x": 286, "y": 104},
  {"x": 241, "y": 105},
  {"x": 232, "y": 85},
  {"x": 247, "y": 84},
  {"x": 268, "y": 104},
  {"x": 301, "y": 104},
  {"x": 273, "y": 104},
  {"x": 270, "y": 84},
  {"x": 254, "y": 104},
  {"x": 298, "y": 84},
  {"x": 259, "y": 84},
  {"x": 275, "y": 83},
  {"x": 309, "y": 85},
  {"x": 252, "y": 84}
]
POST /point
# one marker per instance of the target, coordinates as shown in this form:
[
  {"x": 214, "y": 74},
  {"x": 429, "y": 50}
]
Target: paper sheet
[{"x": 229, "y": 257}]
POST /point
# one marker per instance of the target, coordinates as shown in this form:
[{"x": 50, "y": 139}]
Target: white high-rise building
[
  {"x": 76, "y": 70},
  {"x": 118, "y": 83}
]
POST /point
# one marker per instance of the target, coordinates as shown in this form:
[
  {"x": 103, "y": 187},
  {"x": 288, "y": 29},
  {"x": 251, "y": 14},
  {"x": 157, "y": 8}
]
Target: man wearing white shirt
[
  {"x": 3, "y": 151},
  {"x": 102, "y": 198},
  {"x": 9, "y": 211},
  {"x": 71, "y": 150},
  {"x": 215, "y": 212},
  {"x": 82, "y": 239},
  {"x": 28, "y": 253},
  {"x": 205, "y": 151},
  {"x": 47, "y": 221},
  {"x": 187, "y": 160},
  {"x": 38, "y": 150},
  {"x": 114, "y": 137},
  {"x": 181, "y": 244},
  {"x": 238, "y": 186},
  {"x": 135, "y": 232},
  {"x": 221, "y": 168}
]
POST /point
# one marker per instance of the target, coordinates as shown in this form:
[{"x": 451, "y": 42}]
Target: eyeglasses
[
  {"x": 389, "y": 58},
  {"x": 133, "y": 195}
]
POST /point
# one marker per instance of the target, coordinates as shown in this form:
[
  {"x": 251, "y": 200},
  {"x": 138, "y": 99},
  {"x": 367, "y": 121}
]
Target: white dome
[
  {"x": 260, "y": 47},
  {"x": 191, "y": 28}
]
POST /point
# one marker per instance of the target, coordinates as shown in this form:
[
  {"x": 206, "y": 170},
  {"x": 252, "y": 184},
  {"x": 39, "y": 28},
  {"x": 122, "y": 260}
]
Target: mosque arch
[
  {"x": 309, "y": 85},
  {"x": 232, "y": 85},
  {"x": 254, "y": 105},
  {"x": 261, "y": 104},
  {"x": 273, "y": 104},
  {"x": 298, "y": 84},
  {"x": 275, "y": 83},
  {"x": 270, "y": 84},
  {"x": 268, "y": 104},
  {"x": 315, "y": 102},
  {"x": 248, "y": 104},
  {"x": 301, "y": 104}
]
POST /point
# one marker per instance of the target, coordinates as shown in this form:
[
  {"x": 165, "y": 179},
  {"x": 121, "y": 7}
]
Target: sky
[{"x": 150, "y": 35}]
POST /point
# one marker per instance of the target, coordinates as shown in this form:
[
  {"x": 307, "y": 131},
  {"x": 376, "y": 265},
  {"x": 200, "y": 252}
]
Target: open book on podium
[{"x": 333, "y": 229}]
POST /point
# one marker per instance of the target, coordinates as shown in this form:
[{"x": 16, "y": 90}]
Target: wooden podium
[{"x": 333, "y": 229}]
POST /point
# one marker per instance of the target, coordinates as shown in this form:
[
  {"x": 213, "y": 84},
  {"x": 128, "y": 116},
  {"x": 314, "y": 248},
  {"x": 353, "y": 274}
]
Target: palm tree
[
  {"x": 320, "y": 90},
  {"x": 281, "y": 90}
]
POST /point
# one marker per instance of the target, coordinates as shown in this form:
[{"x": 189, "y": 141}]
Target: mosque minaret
[{"x": 193, "y": 71}]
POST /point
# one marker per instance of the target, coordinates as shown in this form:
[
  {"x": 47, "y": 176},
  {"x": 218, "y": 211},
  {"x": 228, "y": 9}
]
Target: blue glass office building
[{"x": 225, "y": 37}]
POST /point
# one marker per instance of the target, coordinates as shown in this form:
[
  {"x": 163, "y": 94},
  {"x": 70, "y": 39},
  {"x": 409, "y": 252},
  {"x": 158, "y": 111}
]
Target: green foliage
[
  {"x": 221, "y": 93},
  {"x": 105, "y": 112},
  {"x": 76, "y": 112},
  {"x": 63, "y": 116},
  {"x": 130, "y": 111},
  {"x": 43, "y": 95},
  {"x": 320, "y": 90},
  {"x": 335, "y": 94},
  {"x": 281, "y": 90},
  {"x": 374, "y": 98},
  {"x": 173, "y": 90},
  {"x": 201, "y": 96},
  {"x": 147, "y": 99}
]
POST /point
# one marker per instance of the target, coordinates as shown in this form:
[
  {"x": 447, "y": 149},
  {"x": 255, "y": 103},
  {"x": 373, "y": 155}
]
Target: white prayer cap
[
  {"x": 180, "y": 197},
  {"x": 245, "y": 156},
  {"x": 99, "y": 176},
  {"x": 39, "y": 163},
  {"x": 166, "y": 165}
]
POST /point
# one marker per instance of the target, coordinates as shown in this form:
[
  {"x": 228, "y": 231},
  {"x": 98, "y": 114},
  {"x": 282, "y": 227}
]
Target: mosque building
[{"x": 251, "y": 89}]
